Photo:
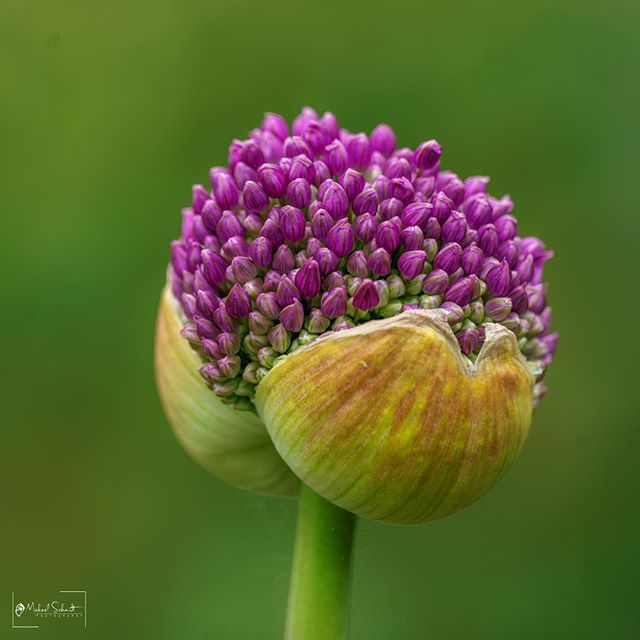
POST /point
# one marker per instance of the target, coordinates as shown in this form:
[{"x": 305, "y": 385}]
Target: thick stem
[{"x": 319, "y": 591}]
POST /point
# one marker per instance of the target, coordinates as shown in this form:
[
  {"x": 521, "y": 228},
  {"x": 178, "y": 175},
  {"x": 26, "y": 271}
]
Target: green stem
[{"x": 318, "y": 606}]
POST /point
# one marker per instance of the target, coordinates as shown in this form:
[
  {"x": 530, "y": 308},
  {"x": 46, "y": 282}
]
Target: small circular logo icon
[{"x": 19, "y": 609}]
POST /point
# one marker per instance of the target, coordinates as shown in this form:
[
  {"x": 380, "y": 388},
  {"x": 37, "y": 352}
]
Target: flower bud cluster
[{"x": 312, "y": 229}]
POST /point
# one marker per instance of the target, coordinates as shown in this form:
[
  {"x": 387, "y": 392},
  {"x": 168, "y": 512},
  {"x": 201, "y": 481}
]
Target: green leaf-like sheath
[
  {"x": 233, "y": 445},
  {"x": 389, "y": 420}
]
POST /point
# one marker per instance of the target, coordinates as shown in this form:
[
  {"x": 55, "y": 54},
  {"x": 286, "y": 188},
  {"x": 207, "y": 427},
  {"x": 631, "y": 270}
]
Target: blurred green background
[{"x": 110, "y": 111}]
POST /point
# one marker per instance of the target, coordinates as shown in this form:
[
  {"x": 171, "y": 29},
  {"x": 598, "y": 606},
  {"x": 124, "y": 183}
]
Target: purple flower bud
[
  {"x": 352, "y": 182},
  {"x": 357, "y": 264},
  {"x": 273, "y": 180},
  {"x": 453, "y": 189},
  {"x": 436, "y": 282},
  {"x": 364, "y": 227},
  {"x": 432, "y": 229},
  {"x": 330, "y": 124},
  {"x": 388, "y": 236},
  {"x": 359, "y": 150},
  {"x": 313, "y": 244},
  {"x": 449, "y": 257},
  {"x": 206, "y": 303},
  {"x": 402, "y": 189},
  {"x": 301, "y": 167},
  {"x": 254, "y": 198},
  {"x": 335, "y": 200},
  {"x": 261, "y": 251},
  {"x": 427, "y": 155},
  {"x": 462, "y": 291},
  {"x": 411, "y": 238},
  {"x": 519, "y": 300},
  {"x": 502, "y": 206},
  {"x": 498, "y": 308},
  {"x": 366, "y": 296},
  {"x": 211, "y": 350},
  {"x": 279, "y": 338},
  {"x": 295, "y": 146},
  {"x": 271, "y": 230},
  {"x": 292, "y": 223},
  {"x": 536, "y": 295},
  {"x": 235, "y": 152},
  {"x": 259, "y": 324},
  {"x": 336, "y": 158},
  {"x": 283, "y": 260},
  {"x": 251, "y": 154},
  {"x": 366, "y": 202},
  {"x": 472, "y": 257},
  {"x": 321, "y": 223},
  {"x": 398, "y": 168},
  {"x": 233, "y": 247},
  {"x": 334, "y": 302},
  {"x": 268, "y": 306},
  {"x": 326, "y": 259},
  {"x": 238, "y": 303},
  {"x": 475, "y": 184},
  {"x": 178, "y": 258},
  {"x": 190, "y": 332},
  {"x": 287, "y": 292},
  {"x": 391, "y": 208},
  {"x": 198, "y": 198},
  {"x": 379, "y": 262},
  {"x": 243, "y": 269},
  {"x": 253, "y": 224},
  {"x": 380, "y": 186},
  {"x": 229, "y": 226},
  {"x": 425, "y": 185},
  {"x": 411, "y": 264},
  {"x": 499, "y": 280},
  {"x": 229, "y": 366},
  {"x": 455, "y": 228},
  {"x": 333, "y": 280},
  {"x": 442, "y": 206},
  {"x": 211, "y": 214},
  {"x": 292, "y": 316},
  {"x": 477, "y": 210},
  {"x": 320, "y": 173},
  {"x": 340, "y": 239},
  {"x": 276, "y": 124},
  {"x": 315, "y": 136},
  {"x": 468, "y": 339},
  {"x": 525, "y": 269},
  {"x": 303, "y": 119},
  {"x": 299, "y": 193},
  {"x": 416, "y": 214},
  {"x": 189, "y": 305},
  {"x": 506, "y": 227},
  {"x": 455, "y": 313},
  {"x": 383, "y": 139},
  {"x": 307, "y": 279},
  {"x": 229, "y": 343},
  {"x": 318, "y": 322},
  {"x": 214, "y": 267},
  {"x": 508, "y": 250},
  {"x": 205, "y": 328},
  {"x": 225, "y": 191},
  {"x": 488, "y": 239}
]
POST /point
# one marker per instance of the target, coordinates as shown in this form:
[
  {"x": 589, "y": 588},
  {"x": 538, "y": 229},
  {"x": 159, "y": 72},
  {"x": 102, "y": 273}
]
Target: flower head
[
  {"x": 329, "y": 205},
  {"x": 381, "y": 315}
]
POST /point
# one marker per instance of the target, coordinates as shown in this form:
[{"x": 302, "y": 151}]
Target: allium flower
[{"x": 380, "y": 316}]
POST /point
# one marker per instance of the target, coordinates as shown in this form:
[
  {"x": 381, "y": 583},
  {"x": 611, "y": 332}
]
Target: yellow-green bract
[{"x": 388, "y": 420}]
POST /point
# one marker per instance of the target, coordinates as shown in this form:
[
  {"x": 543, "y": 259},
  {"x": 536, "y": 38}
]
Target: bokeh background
[{"x": 111, "y": 111}]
